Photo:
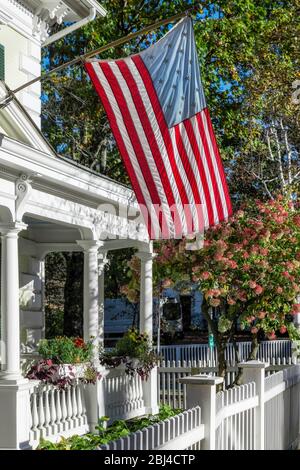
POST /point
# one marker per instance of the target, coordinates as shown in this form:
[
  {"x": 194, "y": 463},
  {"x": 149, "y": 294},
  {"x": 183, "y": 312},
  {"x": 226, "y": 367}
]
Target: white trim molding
[{"x": 32, "y": 18}]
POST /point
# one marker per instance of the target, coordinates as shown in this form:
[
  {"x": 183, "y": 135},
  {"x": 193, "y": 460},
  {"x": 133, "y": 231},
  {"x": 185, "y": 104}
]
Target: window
[
  {"x": 2, "y": 63},
  {"x": 172, "y": 311}
]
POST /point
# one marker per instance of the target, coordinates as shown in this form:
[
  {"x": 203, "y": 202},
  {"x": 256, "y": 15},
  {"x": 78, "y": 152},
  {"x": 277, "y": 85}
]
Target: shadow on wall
[{"x": 5, "y": 215}]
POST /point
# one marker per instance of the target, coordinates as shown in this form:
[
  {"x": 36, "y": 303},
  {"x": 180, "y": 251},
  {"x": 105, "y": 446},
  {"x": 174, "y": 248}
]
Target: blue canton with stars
[{"x": 173, "y": 65}]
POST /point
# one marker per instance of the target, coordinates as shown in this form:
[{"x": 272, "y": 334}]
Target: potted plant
[
  {"x": 64, "y": 361},
  {"x": 134, "y": 352}
]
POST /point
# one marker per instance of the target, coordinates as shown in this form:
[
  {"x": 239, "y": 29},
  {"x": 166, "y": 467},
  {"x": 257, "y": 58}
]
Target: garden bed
[{"x": 108, "y": 434}]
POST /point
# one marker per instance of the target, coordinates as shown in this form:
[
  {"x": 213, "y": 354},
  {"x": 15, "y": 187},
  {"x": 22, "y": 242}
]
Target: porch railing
[
  {"x": 124, "y": 396},
  {"x": 57, "y": 413}
]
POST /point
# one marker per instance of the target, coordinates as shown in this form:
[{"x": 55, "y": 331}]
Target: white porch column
[
  {"x": 146, "y": 293},
  {"x": 93, "y": 323},
  {"x": 10, "y": 310},
  {"x": 102, "y": 261},
  {"x": 90, "y": 292},
  {"x": 146, "y": 325},
  {"x": 14, "y": 389}
]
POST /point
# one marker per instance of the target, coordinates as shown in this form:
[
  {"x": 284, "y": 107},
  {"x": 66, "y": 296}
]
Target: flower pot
[{"x": 72, "y": 370}]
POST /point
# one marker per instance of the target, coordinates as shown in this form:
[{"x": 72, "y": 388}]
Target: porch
[{"x": 48, "y": 204}]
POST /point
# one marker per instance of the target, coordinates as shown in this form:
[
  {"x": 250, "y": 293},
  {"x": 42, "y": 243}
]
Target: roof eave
[{"x": 87, "y": 5}]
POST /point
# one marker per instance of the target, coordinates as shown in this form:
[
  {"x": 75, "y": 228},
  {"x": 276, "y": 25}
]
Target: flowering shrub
[
  {"x": 135, "y": 352},
  {"x": 64, "y": 350},
  {"x": 248, "y": 272},
  {"x": 249, "y": 269}
]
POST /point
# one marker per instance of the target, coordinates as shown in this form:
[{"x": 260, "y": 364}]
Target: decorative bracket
[
  {"x": 45, "y": 17},
  {"x": 23, "y": 189}
]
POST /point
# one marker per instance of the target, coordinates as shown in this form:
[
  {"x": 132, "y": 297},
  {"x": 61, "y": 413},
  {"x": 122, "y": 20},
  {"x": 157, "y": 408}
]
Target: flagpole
[{"x": 112, "y": 44}]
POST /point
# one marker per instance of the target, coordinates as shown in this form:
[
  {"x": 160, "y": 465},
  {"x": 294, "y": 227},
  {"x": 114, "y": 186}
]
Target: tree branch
[
  {"x": 279, "y": 159},
  {"x": 288, "y": 152}
]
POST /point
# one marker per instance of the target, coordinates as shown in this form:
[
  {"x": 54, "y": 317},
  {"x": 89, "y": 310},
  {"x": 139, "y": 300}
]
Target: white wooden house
[{"x": 49, "y": 204}]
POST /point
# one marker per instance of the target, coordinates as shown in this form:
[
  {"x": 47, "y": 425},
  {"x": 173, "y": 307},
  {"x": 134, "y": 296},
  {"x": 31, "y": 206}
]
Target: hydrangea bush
[{"x": 248, "y": 271}]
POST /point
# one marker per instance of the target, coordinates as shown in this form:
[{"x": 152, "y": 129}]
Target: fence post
[
  {"x": 201, "y": 391},
  {"x": 150, "y": 393},
  {"x": 94, "y": 397},
  {"x": 295, "y": 352},
  {"x": 254, "y": 371}
]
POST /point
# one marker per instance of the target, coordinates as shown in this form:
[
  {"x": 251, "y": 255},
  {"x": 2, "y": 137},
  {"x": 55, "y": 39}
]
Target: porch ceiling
[{"x": 43, "y": 231}]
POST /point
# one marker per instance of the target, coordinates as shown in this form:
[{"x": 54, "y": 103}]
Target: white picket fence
[
  {"x": 173, "y": 393},
  {"x": 242, "y": 425},
  {"x": 261, "y": 414},
  {"x": 282, "y": 409},
  {"x": 181, "y": 432},
  {"x": 235, "y": 418},
  {"x": 201, "y": 352},
  {"x": 57, "y": 413}
]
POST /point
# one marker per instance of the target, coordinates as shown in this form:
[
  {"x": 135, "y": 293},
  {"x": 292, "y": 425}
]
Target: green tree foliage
[
  {"x": 249, "y": 58},
  {"x": 73, "y": 117},
  {"x": 117, "y": 271},
  {"x": 64, "y": 294},
  {"x": 73, "y": 295},
  {"x": 55, "y": 268}
]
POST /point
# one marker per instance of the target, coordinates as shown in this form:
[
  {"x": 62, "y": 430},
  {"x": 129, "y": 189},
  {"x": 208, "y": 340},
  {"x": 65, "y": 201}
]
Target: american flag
[{"x": 157, "y": 111}]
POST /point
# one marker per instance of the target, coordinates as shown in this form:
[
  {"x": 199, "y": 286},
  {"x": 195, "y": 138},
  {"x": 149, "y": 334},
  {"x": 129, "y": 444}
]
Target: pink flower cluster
[{"x": 296, "y": 309}]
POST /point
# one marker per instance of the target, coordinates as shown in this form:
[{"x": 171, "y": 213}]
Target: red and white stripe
[{"x": 176, "y": 173}]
